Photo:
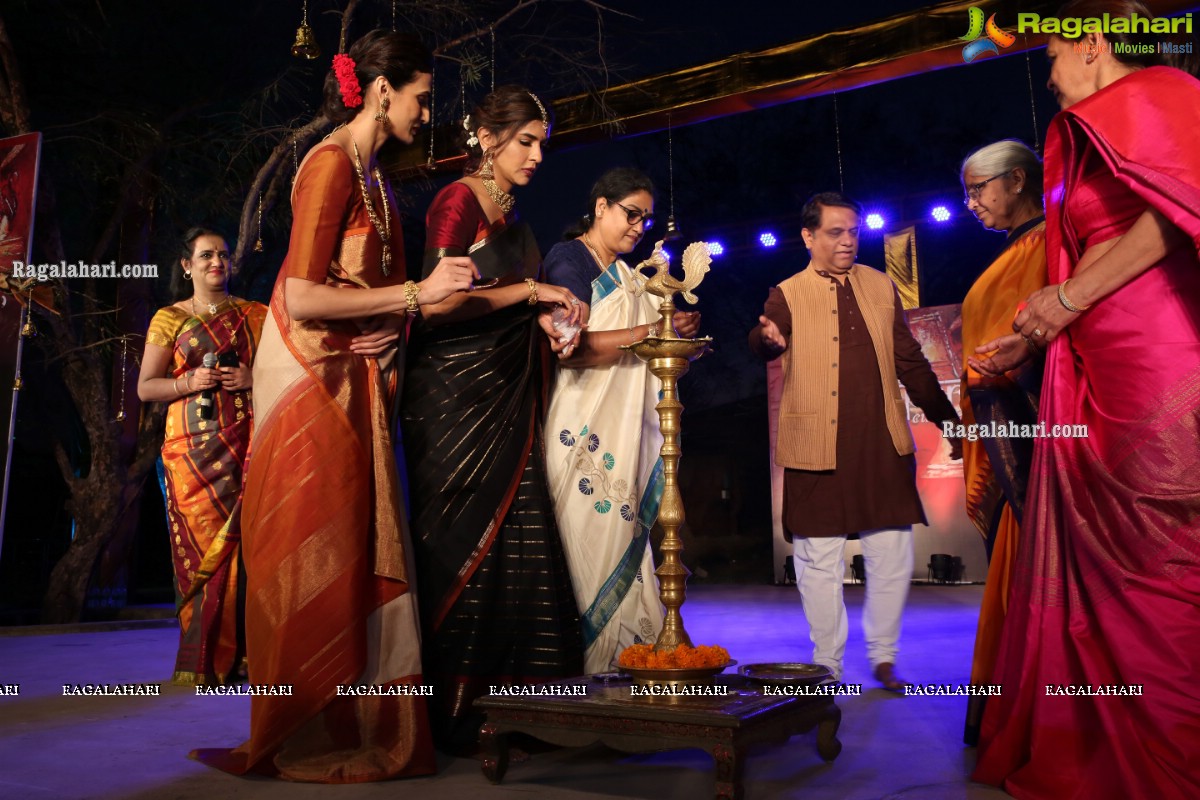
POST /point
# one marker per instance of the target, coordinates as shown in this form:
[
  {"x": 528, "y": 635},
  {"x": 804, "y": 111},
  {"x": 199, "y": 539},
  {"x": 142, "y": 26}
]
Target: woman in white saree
[{"x": 602, "y": 437}]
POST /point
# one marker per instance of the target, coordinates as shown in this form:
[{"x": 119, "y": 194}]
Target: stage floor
[{"x": 53, "y": 746}]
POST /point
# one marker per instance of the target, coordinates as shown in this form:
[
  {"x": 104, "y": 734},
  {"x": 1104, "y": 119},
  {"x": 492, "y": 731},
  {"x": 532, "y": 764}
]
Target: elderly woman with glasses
[
  {"x": 1003, "y": 182},
  {"x": 603, "y": 439}
]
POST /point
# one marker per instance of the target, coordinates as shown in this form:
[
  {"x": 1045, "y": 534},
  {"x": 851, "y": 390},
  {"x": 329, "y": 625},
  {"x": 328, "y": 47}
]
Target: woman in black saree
[{"x": 496, "y": 598}]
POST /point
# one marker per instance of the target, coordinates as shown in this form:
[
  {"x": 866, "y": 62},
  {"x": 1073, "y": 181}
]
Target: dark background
[{"x": 204, "y": 90}]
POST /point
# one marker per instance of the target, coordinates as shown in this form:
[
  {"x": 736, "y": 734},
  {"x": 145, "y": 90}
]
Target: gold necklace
[
  {"x": 501, "y": 198},
  {"x": 384, "y": 230},
  {"x": 587, "y": 242}
]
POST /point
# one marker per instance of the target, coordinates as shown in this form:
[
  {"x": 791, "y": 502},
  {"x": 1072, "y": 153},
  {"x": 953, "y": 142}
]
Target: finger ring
[
  {"x": 1038, "y": 332},
  {"x": 574, "y": 301}
]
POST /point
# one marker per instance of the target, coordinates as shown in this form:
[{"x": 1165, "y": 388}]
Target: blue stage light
[
  {"x": 940, "y": 213},
  {"x": 716, "y": 249},
  {"x": 768, "y": 239},
  {"x": 875, "y": 221}
]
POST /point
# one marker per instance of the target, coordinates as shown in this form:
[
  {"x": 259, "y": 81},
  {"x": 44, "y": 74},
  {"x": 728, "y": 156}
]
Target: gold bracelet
[
  {"x": 411, "y": 290},
  {"x": 175, "y": 386},
  {"x": 1066, "y": 303},
  {"x": 533, "y": 296},
  {"x": 187, "y": 381}
]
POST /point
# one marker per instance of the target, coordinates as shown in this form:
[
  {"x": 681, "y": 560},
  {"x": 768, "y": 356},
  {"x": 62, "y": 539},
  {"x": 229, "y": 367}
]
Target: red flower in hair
[{"x": 343, "y": 68}]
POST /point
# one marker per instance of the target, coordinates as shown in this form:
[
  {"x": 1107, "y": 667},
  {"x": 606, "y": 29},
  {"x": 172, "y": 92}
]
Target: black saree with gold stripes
[{"x": 496, "y": 598}]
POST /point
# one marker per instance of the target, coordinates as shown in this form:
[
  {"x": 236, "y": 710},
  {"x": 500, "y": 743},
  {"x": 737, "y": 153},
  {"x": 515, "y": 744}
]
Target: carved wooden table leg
[
  {"x": 731, "y": 762},
  {"x": 828, "y": 745},
  {"x": 495, "y": 752}
]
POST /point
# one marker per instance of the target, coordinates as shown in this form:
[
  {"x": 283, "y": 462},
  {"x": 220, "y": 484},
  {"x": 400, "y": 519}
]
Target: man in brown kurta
[{"x": 843, "y": 434}]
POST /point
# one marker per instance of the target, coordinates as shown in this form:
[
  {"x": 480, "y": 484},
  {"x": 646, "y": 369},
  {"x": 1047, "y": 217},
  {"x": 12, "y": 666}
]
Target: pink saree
[{"x": 1106, "y": 589}]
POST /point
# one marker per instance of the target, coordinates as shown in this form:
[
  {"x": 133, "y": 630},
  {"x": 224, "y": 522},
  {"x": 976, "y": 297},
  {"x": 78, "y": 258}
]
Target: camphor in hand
[{"x": 566, "y": 329}]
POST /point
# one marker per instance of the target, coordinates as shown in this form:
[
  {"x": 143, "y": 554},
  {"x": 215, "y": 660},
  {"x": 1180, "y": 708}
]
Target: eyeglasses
[
  {"x": 974, "y": 190},
  {"x": 637, "y": 215}
]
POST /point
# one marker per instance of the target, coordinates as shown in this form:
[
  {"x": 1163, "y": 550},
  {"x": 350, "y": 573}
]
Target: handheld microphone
[{"x": 206, "y": 397}]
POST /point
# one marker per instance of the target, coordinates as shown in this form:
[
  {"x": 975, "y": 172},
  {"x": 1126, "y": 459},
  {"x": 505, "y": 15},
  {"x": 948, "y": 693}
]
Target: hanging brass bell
[
  {"x": 672, "y": 232},
  {"x": 305, "y": 45}
]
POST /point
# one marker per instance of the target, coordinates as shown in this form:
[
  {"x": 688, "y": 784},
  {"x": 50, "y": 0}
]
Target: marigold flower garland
[
  {"x": 343, "y": 68},
  {"x": 642, "y": 656}
]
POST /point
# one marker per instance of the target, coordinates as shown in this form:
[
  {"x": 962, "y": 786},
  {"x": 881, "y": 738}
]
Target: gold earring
[
  {"x": 381, "y": 114},
  {"x": 485, "y": 169}
]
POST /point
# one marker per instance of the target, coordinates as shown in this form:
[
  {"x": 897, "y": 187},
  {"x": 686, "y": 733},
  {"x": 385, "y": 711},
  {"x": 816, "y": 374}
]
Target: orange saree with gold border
[{"x": 329, "y": 602}]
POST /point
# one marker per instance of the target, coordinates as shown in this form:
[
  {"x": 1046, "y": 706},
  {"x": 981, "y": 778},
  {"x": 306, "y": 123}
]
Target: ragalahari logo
[{"x": 978, "y": 42}]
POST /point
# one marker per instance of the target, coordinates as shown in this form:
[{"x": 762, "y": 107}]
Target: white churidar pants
[{"x": 820, "y": 570}]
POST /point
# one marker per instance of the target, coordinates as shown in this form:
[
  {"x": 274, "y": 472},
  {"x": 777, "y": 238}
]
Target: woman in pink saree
[{"x": 1101, "y": 646}]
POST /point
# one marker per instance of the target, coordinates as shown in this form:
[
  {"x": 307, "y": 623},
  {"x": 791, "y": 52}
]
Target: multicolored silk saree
[{"x": 201, "y": 478}]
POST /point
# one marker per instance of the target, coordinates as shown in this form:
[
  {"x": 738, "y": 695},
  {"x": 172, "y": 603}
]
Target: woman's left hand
[
  {"x": 686, "y": 323},
  {"x": 236, "y": 379},
  {"x": 1043, "y": 317},
  {"x": 378, "y": 335}
]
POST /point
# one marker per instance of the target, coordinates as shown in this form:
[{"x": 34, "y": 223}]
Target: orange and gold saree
[
  {"x": 997, "y": 469},
  {"x": 329, "y": 606},
  {"x": 201, "y": 478}
]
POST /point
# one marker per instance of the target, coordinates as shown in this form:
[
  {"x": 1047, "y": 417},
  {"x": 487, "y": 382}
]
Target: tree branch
[
  {"x": 480, "y": 32},
  {"x": 347, "y": 13},
  {"x": 247, "y": 225},
  {"x": 519, "y": 7}
]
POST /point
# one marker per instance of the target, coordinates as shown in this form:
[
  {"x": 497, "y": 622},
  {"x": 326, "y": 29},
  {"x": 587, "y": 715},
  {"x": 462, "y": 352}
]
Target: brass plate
[
  {"x": 786, "y": 674},
  {"x": 611, "y": 678},
  {"x": 690, "y": 676}
]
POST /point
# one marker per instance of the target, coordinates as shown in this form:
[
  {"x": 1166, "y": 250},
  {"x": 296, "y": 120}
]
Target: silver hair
[{"x": 1003, "y": 156}]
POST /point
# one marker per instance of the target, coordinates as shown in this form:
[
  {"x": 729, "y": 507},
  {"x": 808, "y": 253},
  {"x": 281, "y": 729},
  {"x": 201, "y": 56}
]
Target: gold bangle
[
  {"x": 411, "y": 290},
  {"x": 1066, "y": 302},
  {"x": 187, "y": 381},
  {"x": 175, "y": 386},
  {"x": 533, "y": 295}
]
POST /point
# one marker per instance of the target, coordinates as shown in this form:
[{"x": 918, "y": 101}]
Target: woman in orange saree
[
  {"x": 330, "y": 610},
  {"x": 204, "y": 451},
  {"x": 1003, "y": 183}
]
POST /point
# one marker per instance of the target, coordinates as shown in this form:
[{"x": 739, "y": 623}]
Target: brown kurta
[{"x": 873, "y": 486}]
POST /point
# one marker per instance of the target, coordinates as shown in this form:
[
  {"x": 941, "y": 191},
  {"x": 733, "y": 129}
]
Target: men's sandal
[{"x": 885, "y": 673}]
